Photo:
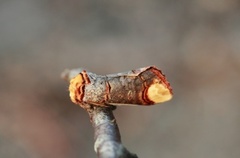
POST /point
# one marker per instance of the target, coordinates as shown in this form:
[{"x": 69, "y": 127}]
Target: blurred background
[{"x": 196, "y": 43}]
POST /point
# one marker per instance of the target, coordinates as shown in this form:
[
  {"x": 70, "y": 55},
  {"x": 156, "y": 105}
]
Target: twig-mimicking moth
[{"x": 144, "y": 86}]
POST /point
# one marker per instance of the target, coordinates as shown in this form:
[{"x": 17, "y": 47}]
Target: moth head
[{"x": 75, "y": 88}]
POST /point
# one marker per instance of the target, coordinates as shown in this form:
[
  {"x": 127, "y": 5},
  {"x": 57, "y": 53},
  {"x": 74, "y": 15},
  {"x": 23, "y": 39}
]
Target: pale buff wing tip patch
[{"x": 159, "y": 93}]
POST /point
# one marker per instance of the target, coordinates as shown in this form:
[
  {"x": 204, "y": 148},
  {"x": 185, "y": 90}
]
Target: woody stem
[{"x": 107, "y": 136}]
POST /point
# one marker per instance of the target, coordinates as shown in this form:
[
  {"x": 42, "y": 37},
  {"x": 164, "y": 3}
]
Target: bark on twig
[{"x": 107, "y": 136}]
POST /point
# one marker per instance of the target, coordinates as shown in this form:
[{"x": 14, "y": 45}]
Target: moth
[{"x": 144, "y": 86}]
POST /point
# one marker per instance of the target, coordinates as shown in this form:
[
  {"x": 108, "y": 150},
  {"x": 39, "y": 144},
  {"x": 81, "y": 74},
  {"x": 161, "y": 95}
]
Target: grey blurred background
[{"x": 196, "y": 43}]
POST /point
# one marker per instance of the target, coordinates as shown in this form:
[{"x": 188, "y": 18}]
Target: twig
[{"x": 107, "y": 136}]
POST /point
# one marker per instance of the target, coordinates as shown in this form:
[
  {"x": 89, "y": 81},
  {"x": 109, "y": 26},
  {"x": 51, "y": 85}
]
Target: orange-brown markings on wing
[
  {"x": 85, "y": 77},
  {"x": 145, "y": 99},
  {"x": 81, "y": 93},
  {"x": 162, "y": 78},
  {"x": 107, "y": 93}
]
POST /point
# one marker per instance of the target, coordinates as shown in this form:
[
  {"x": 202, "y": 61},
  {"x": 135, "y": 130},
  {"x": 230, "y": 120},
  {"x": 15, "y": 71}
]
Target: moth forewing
[{"x": 144, "y": 86}]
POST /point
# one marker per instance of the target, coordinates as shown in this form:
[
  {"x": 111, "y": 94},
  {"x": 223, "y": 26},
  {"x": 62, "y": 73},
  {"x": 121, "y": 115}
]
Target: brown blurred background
[{"x": 195, "y": 42}]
